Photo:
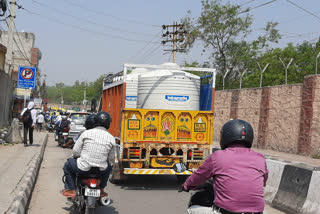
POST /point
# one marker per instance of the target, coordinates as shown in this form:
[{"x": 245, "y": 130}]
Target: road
[{"x": 140, "y": 195}]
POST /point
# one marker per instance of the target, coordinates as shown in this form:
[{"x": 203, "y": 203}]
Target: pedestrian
[
  {"x": 239, "y": 174},
  {"x": 40, "y": 120},
  {"x": 29, "y": 115}
]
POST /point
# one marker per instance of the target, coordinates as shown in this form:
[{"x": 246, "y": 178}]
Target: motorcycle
[
  {"x": 50, "y": 127},
  {"x": 202, "y": 196},
  {"x": 63, "y": 136},
  {"x": 88, "y": 193}
]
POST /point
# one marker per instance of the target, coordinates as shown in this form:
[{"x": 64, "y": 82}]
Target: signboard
[
  {"x": 177, "y": 98},
  {"x": 200, "y": 127},
  {"x": 133, "y": 124},
  {"x": 21, "y": 93},
  {"x": 37, "y": 102},
  {"x": 27, "y": 77}
]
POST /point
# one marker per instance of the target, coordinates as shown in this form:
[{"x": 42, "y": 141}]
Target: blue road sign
[{"x": 27, "y": 77}]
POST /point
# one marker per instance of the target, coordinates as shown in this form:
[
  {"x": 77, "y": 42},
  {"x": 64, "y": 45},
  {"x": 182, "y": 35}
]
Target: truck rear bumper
[{"x": 132, "y": 171}]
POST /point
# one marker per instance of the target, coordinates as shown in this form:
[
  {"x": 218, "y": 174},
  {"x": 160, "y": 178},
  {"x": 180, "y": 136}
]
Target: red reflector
[{"x": 243, "y": 133}]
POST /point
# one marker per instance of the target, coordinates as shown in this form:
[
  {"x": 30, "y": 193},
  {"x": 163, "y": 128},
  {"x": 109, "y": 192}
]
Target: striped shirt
[{"x": 95, "y": 148}]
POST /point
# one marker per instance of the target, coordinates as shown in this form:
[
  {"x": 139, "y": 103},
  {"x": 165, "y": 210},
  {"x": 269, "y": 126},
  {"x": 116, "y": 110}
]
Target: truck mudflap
[{"x": 130, "y": 171}]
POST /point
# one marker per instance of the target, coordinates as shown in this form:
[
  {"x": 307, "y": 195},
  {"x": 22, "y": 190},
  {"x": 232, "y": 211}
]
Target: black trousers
[{"x": 27, "y": 128}]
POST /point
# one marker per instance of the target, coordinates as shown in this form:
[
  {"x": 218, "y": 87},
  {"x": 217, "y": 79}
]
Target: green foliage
[
  {"x": 75, "y": 93},
  {"x": 223, "y": 29}
]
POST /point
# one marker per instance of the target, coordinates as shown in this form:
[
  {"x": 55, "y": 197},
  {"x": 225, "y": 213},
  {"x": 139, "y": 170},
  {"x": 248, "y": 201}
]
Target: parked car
[{"x": 77, "y": 120}]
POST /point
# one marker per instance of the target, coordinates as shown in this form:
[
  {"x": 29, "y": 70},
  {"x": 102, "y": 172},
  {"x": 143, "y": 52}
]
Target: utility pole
[
  {"x": 85, "y": 96},
  {"x": 176, "y": 35},
  {"x": 9, "y": 64}
]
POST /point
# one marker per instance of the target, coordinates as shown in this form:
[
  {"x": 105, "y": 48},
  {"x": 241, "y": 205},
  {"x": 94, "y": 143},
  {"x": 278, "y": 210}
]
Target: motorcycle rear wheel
[{"x": 89, "y": 210}]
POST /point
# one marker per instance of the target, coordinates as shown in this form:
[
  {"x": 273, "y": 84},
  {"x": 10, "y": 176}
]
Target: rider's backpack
[
  {"x": 26, "y": 117},
  {"x": 64, "y": 123}
]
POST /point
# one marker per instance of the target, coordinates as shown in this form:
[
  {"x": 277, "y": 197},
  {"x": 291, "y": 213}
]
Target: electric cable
[
  {"x": 84, "y": 29},
  {"x": 144, "y": 47},
  {"x": 261, "y": 5},
  {"x": 89, "y": 21},
  {"x": 103, "y": 13},
  {"x": 14, "y": 39},
  {"x": 318, "y": 17},
  {"x": 20, "y": 39}
]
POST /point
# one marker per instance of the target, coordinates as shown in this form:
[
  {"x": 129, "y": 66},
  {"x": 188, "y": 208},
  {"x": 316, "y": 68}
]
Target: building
[{"x": 24, "y": 54}]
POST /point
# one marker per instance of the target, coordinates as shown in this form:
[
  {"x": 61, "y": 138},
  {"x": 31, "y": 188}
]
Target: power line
[
  {"x": 84, "y": 29},
  {"x": 15, "y": 41},
  {"x": 103, "y": 13},
  {"x": 19, "y": 38},
  {"x": 261, "y": 5},
  {"x": 303, "y": 9},
  {"x": 151, "y": 53},
  {"x": 89, "y": 21},
  {"x": 144, "y": 47},
  {"x": 247, "y": 3}
]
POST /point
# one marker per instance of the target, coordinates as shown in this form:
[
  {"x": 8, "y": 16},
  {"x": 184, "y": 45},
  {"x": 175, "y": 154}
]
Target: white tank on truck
[{"x": 169, "y": 89}]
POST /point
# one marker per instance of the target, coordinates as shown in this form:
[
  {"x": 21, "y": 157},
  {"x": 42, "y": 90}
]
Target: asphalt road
[{"x": 139, "y": 195}]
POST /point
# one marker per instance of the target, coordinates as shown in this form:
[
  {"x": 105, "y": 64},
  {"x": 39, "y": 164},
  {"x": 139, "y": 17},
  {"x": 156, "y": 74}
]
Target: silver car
[{"x": 77, "y": 123}]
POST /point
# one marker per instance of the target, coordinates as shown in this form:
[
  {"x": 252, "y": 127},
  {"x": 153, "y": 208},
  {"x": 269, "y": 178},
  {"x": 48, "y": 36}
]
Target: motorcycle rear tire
[{"x": 89, "y": 210}]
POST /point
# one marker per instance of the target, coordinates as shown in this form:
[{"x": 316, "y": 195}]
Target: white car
[{"x": 77, "y": 121}]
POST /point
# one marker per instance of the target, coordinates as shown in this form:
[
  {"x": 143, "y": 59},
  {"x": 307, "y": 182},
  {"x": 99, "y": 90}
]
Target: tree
[{"x": 223, "y": 29}]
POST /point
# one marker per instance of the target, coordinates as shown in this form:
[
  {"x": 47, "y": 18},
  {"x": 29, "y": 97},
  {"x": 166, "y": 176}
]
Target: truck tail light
[
  {"x": 134, "y": 152},
  {"x": 197, "y": 154},
  {"x": 189, "y": 154}
]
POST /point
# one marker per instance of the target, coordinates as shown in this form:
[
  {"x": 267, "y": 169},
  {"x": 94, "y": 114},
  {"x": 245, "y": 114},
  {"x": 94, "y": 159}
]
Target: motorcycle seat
[{"x": 93, "y": 173}]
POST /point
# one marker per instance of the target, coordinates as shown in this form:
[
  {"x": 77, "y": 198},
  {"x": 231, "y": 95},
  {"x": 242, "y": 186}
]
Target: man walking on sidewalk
[
  {"x": 29, "y": 116},
  {"x": 40, "y": 120}
]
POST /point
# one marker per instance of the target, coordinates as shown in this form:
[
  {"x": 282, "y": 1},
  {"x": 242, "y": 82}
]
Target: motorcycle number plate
[
  {"x": 64, "y": 134},
  {"x": 92, "y": 192}
]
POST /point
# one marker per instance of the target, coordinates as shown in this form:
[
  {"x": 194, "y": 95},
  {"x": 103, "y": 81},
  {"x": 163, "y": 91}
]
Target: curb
[
  {"x": 20, "y": 202},
  {"x": 293, "y": 187}
]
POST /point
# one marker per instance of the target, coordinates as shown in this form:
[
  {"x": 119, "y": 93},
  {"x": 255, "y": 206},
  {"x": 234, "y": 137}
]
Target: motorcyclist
[
  {"x": 239, "y": 173},
  {"x": 94, "y": 148},
  {"x": 61, "y": 124}
]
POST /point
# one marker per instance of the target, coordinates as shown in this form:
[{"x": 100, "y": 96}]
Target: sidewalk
[
  {"x": 15, "y": 161},
  {"x": 282, "y": 156}
]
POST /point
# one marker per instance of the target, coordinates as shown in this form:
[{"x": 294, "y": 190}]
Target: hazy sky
[{"x": 81, "y": 39}]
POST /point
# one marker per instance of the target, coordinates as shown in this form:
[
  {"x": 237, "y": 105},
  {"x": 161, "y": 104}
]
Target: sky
[{"x": 82, "y": 40}]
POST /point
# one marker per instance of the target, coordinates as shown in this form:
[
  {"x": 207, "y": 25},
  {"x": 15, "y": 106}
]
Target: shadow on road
[{"x": 150, "y": 182}]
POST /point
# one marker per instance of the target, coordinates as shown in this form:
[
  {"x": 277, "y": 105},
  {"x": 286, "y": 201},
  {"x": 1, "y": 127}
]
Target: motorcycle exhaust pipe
[{"x": 105, "y": 201}]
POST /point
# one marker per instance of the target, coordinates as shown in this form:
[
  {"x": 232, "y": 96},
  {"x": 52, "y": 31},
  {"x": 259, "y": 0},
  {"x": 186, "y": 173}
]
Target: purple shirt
[{"x": 239, "y": 176}]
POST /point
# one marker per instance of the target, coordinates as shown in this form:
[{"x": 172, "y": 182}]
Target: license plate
[
  {"x": 64, "y": 134},
  {"x": 92, "y": 192}
]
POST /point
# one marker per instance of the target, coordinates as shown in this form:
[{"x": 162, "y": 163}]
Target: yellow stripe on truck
[{"x": 154, "y": 172}]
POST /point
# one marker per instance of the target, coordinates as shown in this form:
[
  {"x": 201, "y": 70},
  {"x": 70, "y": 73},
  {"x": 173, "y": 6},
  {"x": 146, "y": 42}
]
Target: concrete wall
[
  {"x": 284, "y": 118},
  {"x": 6, "y": 90}
]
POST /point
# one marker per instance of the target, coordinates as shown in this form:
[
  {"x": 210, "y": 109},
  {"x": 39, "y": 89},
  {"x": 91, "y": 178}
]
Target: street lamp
[{"x": 317, "y": 62}]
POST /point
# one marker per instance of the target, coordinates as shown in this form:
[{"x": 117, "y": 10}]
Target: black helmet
[
  {"x": 103, "y": 119},
  {"x": 236, "y": 132},
  {"x": 90, "y": 122}
]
